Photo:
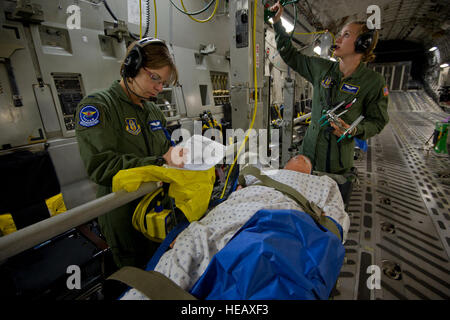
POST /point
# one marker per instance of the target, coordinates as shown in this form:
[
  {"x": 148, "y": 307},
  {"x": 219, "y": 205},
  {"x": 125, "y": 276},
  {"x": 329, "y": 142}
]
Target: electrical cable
[
  {"x": 156, "y": 17},
  {"x": 140, "y": 20},
  {"x": 206, "y": 20},
  {"x": 116, "y": 23},
  {"x": 193, "y": 13},
  {"x": 256, "y": 100}
]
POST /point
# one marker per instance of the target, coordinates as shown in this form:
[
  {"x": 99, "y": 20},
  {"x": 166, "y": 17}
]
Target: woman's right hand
[
  {"x": 174, "y": 157},
  {"x": 278, "y": 8}
]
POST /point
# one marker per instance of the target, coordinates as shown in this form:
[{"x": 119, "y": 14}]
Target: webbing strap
[
  {"x": 153, "y": 284},
  {"x": 309, "y": 207}
]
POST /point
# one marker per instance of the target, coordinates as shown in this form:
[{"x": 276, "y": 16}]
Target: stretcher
[{"x": 258, "y": 244}]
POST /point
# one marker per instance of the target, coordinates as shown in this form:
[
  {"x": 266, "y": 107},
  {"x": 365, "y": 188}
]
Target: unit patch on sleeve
[
  {"x": 349, "y": 88},
  {"x": 385, "y": 91},
  {"x": 89, "y": 116},
  {"x": 132, "y": 126}
]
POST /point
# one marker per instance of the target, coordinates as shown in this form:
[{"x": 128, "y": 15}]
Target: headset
[
  {"x": 364, "y": 41},
  {"x": 136, "y": 58}
]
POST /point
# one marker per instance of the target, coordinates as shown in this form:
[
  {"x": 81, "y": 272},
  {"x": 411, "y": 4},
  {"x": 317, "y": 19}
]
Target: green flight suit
[
  {"x": 330, "y": 88},
  {"x": 114, "y": 134}
]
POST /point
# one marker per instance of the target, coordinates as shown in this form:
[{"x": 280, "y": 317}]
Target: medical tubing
[
  {"x": 256, "y": 100},
  {"x": 193, "y": 13},
  {"x": 207, "y": 19}
]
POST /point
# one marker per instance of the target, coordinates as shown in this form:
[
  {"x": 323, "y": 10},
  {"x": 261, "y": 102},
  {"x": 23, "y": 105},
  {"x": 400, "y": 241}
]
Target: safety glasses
[{"x": 155, "y": 77}]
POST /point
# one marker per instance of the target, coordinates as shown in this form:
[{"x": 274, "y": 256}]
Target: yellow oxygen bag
[
  {"x": 151, "y": 218},
  {"x": 191, "y": 191}
]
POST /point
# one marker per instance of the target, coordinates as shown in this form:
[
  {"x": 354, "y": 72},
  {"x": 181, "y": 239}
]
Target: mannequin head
[{"x": 299, "y": 163}]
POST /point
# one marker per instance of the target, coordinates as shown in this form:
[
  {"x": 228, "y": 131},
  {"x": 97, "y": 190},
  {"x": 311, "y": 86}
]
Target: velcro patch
[
  {"x": 349, "y": 88},
  {"x": 89, "y": 116},
  {"x": 155, "y": 125},
  {"x": 132, "y": 126},
  {"x": 326, "y": 82}
]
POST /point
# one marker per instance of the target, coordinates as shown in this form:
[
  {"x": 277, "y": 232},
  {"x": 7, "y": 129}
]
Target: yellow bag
[
  {"x": 190, "y": 189},
  {"x": 7, "y": 224},
  {"x": 151, "y": 218},
  {"x": 54, "y": 204}
]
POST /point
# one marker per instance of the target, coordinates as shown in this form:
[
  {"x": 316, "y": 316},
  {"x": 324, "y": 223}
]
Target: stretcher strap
[
  {"x": 165, "y": 245},
  {"x": 309, "y": 207},
  {"x": 153, "y": 284}
]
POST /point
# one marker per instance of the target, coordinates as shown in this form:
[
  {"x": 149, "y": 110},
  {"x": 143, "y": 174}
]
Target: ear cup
[
  {"x": 363, "y": 42},
  {"x": 133, "y": 62},
  {"x": 136, "y": 58}
]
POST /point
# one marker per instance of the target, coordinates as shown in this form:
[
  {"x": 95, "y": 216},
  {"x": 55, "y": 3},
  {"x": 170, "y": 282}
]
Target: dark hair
[
  {"x": 368, "y": 56},
  {"x": 157, "y": 56}
]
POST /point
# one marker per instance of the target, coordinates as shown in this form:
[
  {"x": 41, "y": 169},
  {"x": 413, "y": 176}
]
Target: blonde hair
[
  {"x": 157, "y": 56},
  {"x": 368, "y": 56}
]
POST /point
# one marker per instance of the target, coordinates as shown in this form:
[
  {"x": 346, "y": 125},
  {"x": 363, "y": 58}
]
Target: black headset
[
  {"x": 136, "y": 58},
  {"x": 364, "y": 41}
]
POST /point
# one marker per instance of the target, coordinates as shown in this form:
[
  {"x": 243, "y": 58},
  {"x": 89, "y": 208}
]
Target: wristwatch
[{"x": 160, "y": 161}]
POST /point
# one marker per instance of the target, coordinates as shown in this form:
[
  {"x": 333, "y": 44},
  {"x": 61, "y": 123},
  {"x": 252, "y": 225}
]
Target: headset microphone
[
  {"x": 137, "y": 95},
  {"x": 333, "y": 47}
]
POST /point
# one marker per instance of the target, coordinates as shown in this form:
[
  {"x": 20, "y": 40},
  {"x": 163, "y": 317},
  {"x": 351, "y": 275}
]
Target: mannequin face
[
  {"x": 345, "y": 40},
  {"x": 299, "y": 163},
  {"x": 150, "y": 82}
]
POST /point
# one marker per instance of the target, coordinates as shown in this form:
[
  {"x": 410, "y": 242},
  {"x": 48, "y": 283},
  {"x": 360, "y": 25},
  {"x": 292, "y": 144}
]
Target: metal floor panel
[{"x": 400, "y": 211}]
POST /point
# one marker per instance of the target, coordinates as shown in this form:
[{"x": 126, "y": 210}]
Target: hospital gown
[{"x": 201, "y": 240}]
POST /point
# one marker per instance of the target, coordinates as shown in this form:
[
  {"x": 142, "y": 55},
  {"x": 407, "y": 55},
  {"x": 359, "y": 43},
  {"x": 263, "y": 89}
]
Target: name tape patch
[
  {"x": 155, "y": 125},
  {"x": 349, "y": 88},
  {"x": 89, "y": 116}
]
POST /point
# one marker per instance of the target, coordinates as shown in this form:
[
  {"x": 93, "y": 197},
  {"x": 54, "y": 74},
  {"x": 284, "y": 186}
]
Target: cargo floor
[{"x": 400, "y": 210}]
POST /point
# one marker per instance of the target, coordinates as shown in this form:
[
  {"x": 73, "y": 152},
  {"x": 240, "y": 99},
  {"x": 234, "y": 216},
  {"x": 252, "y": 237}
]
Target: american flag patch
[{"x": 385, "y": 91}]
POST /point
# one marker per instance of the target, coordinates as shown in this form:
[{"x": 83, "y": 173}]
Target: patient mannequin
[{"x": 299, "y": 163}]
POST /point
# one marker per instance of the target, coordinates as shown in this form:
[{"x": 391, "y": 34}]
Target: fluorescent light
[
  {"x": 287, "y": 25},
  {"x": 445, "y": 65},
  {"x": 432, "y": 49},
  {"x": 317, "y": 50}
]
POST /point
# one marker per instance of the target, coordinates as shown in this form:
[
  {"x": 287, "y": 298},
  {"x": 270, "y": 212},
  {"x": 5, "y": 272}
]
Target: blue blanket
[{"x": 277, "y": 254}]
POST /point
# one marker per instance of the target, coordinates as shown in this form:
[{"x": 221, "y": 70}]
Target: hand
[
  {"x": 174, "y": 157},
  {"x": 337, "y": 131},
  {"x": 278, "y": 8}
]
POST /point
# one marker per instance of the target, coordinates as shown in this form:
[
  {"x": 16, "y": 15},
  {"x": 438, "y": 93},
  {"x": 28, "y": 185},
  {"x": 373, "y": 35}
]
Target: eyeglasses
[{"x": 156, "y": 78}]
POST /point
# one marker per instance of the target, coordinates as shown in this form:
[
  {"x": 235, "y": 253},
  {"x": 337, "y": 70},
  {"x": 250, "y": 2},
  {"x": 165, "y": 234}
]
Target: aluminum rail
[
  {"x": 40, "y": 232},
  {"x": 302, "y": 118}
]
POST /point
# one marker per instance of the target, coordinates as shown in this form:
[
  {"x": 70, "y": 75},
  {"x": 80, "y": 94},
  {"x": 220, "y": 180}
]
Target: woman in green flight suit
[
  {"x": 119, "y": 128},
  {"x": 335, "y": 82}
]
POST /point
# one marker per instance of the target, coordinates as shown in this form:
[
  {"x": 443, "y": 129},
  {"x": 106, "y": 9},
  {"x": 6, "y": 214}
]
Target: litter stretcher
[{"x": 280, "y": 237}]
